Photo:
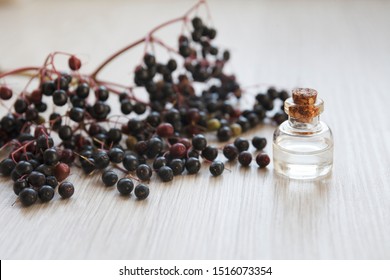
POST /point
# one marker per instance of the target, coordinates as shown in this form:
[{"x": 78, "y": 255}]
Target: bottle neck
[{"x": 304, "y": 126}]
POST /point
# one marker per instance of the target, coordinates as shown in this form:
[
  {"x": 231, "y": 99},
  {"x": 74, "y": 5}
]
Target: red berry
[
  {"x": 5, "y": 93},
  {"x": 165, "y": 130},
  {"x": 262, "y": 160},
  {"x": 178, "y": 150},
  {"x": 61, "y": 171},
  {"x": 36, "y": 96},
  {"x": 74, "y": 63},
  {"x": 186, "y": 142}
]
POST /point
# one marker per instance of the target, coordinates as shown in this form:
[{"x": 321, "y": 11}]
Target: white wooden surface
[{"x": 340, "y": 48}]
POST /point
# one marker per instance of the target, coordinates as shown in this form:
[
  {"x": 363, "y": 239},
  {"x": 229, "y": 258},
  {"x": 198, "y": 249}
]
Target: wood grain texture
[{"x": 340, "y": 48}]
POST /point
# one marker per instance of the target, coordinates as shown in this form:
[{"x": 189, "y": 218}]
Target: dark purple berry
[
  {"x": 51, "y": 181},
  {"x": 46, "y": 193},
  {"x": 130, "y": 162},
  {"x": 177, "y": 166},
  {"x": 241, "y": 144},
  {"x": 76, "y": 114},
  {"x": 109, "y": 178},
  {"x": 224, "y": 133},
  {"x": 141, "y": 191},
  {"x": 88, "y": 165},
  {"x": 262, "y": 160},
  {"x": 165, "y": 173},
  {"x": 126, "y": 107},
  {"x": 259, "y": 142},
  {"x": 60, "y": 98},
  {"x": 23, "y": 167},
  {"x": 65, "y": 132},
  {"x": 125, "y": 186},
  {"x": 216, "y": 168},
  {"x": 36, "y": 179},
  {"x": 28, "y": 196},
  {"x": 82, "y": 90},
  {"x": 245, "y": 158},
  {"x": 66, "y": 189},
  {"x": 144, "y": 172},
  {"x": 116, "y": 155},
  {"x": 102, "y": 93},
  {"x": 102, "y": 160},
  {"x": 51, "y": 157},
  {"x": 159, "y": 162},
  {"x": 210, "y": 153},
  {"x": 230, "y": 152},
  {"x": 193, "y": 165},
  {"x": 149, "y": 60},
  {"x": 19, "y": 185},
  {"x": 199, "y": 142},
  {"x": 6, "y": 166},
  {"x": 114, "y": 135},
  {"x": 45, "y": 169}
]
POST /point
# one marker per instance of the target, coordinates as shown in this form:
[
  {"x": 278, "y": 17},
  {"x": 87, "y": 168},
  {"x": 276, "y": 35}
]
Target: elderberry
[
  {"x": 51, "y": 181},
  {"x": 125, "y": 186},
  {"x": 165, "y": 173},
  {"x": 230, "y": 151},
  {"x": 46, "y": 193},
  {"x": 28, "y": 196},
  {"x": 241, "y": 144},
  {"x": 141, "y": 191},
  {"x": 216, "y": 168},
  {"x": 116, "y": 155},
  {"x": 245, "y": 158},
  {"x": 36, "y": 179},
  {"x": 6, "y": 166},
  {"x": 130, "y": 162},
  {"x": 109, "y": 178},
  {"x": 76, "y": 114},
  {"x": 259, "y": 142},
  {"x": 23, "y": 167},
  {"x": 199, "y": 142},
  {"x": 177, "y": 166},
  {"x": 102, "y": 160},
  {"x": 210, "y": 153},
  {"x": 82, "y": 90},
  {"x": 19, "y": 185},
  {"x": 193, "y": 165},
  {"x": 144, "y": 172},
  {"x": 262, "y": 160},
  {"x": 50, "y": 156},
  {"x": 66, "y": 189},
  {"x": 59, "y": 97}
]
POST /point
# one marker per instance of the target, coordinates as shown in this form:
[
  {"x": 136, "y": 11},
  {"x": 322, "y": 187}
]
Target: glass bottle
[{"x": 303, "y": 145}]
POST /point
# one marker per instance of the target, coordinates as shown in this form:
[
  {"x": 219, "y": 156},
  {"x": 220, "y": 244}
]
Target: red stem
[
  {"x": 18, "y": 71},
  {"x": 115, "y": 55}
]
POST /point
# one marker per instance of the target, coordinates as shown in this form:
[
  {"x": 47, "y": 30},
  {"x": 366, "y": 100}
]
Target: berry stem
[
  {"x": 115, "y": 55},
  {"x": 19, "y": 71}
]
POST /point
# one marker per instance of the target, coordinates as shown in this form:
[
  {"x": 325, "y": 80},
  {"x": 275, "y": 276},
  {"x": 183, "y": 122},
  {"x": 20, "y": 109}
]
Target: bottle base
[{"x": 302, "y": 171}]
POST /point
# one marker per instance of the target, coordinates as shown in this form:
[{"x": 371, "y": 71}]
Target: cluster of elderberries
[{"x": 163, "y": 135}]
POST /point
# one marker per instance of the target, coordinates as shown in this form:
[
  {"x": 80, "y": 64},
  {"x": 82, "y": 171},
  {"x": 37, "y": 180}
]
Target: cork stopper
[
  {"x": 304, "y": 105},
  {"x": 304, "y": 96}
]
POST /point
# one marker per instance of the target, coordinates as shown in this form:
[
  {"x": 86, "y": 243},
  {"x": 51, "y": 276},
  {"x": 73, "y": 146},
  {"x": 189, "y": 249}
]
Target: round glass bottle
[{"x": 303, "y": 145}]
